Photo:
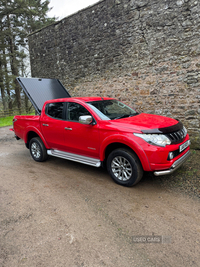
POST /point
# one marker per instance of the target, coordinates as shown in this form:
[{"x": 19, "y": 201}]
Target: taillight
[{"x": 14, "y": 120}]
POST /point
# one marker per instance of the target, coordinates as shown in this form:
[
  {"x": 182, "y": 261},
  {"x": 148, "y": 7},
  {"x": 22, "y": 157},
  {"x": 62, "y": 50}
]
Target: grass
[{"x": 7, "y": 121}]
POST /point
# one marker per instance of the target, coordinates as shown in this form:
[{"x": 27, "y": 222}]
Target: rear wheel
[
  {"x": 37, "y": 149},
  {"x": 124, "y": 167}
]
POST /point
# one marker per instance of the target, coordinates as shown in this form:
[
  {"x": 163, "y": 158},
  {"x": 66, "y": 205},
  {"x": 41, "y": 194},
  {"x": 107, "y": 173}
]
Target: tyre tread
[
  {"x": 137, "y": 163},
  {"x": 42, "y": 146}
]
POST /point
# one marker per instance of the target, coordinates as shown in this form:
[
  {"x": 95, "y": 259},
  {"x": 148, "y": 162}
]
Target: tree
[{"x": 18, "y": 19}]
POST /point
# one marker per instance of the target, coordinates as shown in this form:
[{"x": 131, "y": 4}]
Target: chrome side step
[{"x": 74, "y": 157}]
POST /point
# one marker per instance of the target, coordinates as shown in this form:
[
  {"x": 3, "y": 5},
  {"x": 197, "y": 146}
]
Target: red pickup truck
[{"x": 100, "y": 131}]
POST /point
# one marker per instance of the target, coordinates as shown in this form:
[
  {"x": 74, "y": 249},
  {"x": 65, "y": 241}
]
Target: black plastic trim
[{"x": 164, "y": 130}]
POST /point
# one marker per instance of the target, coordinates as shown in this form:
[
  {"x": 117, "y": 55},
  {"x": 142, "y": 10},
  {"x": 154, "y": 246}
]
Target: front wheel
[
  {"x": 124, "y": 167},
  {"x": 37, "y": 149}
]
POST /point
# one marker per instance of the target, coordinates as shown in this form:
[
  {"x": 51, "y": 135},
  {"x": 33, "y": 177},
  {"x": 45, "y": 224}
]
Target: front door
[{"x": 80, "y": 138}]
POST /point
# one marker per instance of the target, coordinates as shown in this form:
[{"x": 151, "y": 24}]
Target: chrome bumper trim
[
  {"x": 74, "y": 157},
  {"x": 174, "y": 166}
]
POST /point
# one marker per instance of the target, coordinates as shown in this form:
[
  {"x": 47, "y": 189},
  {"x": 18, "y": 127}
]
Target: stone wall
[{"x": 144, "y": 52}]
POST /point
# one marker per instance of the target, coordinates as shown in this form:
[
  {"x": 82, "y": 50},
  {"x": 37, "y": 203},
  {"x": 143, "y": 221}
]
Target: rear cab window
[{"x": 55, "y": 110}]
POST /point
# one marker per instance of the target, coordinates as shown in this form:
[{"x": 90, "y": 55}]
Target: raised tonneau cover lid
[{"x": 40, "y": 90}]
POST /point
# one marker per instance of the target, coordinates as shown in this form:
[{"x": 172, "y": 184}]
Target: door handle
[
  {"x": 45, "y": 124},
  {"x": 69, "y": 129}
]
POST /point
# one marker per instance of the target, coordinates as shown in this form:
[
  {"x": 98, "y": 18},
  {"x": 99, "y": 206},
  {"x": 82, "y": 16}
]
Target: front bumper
[{"x": 174, "y": 166}]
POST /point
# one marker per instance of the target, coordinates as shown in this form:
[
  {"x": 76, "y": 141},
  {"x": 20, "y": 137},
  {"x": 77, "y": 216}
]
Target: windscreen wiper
[{"x": 126, "y": 116}]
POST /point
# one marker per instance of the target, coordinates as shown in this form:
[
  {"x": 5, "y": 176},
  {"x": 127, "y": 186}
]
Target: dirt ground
[{"x": 62, "y": 213}]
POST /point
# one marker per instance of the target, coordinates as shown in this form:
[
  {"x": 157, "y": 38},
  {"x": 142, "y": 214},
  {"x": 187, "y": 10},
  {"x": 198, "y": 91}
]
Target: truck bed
[{"x": 23, "y": 123}]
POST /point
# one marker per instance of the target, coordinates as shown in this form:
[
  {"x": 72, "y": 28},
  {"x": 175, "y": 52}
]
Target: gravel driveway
[{"x": 61, "y": 213}]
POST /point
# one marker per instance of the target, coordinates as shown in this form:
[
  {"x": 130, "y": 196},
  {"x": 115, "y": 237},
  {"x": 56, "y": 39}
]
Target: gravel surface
[
  {"x": 185, "y": 180},
  {"x": 64, "y": 214}
]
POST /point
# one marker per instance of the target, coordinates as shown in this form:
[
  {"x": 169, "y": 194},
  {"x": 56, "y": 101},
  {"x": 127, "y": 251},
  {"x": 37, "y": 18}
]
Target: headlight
[
  {"x": 185, "y": 131},
  {"x": 155, "y": 139}
]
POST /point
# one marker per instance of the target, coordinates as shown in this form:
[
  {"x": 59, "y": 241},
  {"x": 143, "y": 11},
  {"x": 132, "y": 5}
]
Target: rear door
[{"x": 53, "y": 124}]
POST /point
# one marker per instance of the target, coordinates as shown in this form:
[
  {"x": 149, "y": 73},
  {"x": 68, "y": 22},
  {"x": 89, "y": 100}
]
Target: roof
[{"x": 81, "y": 99}]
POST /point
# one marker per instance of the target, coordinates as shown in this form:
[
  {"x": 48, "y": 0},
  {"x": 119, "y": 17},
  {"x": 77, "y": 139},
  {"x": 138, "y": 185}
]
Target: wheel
[
  {"x": 124, "y": 167},
  {"x": 37, "y": 149}
]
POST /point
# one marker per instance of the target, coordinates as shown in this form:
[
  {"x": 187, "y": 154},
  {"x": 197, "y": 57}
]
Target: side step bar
[{"x": 74, "y": 157}]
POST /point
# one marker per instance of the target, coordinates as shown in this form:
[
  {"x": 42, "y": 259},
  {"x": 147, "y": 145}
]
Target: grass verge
[{"x": 7, "y": 121}]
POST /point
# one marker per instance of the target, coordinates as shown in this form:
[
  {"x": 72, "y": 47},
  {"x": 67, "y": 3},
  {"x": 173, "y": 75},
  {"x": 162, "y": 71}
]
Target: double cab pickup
[{"x": 100, "y": 131}]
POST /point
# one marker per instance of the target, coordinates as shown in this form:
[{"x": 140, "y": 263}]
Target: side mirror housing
[{"x": 86, "y": 119}]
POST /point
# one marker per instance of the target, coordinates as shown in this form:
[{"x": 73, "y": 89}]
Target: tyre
[
  {"x": 124, "y": 167},
  {"x": 37, "y": 149}
]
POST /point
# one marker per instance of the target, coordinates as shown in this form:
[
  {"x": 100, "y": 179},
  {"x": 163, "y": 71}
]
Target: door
[
  {"x": 80, "y": 138},
  {"x": 52, "y": 125}
]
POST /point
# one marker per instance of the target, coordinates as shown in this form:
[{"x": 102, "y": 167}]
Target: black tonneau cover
[{"x": 39, "y": 90}]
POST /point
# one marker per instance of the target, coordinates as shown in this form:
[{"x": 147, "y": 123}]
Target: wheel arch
[
  {"x": 132, "y": 146},
  {"x": 114, "y": 146},
  {"x": 31, "y": 133}
]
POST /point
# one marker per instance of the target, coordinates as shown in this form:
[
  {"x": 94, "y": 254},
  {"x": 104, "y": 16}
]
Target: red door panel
[
  {"x": 82, "y": 139},
  {"x": 53, "y": 131}
]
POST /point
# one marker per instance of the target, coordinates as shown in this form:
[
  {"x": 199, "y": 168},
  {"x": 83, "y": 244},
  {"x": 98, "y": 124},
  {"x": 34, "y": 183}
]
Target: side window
[
  {"x": 55, "y": 110},
  {"x": 75, "y": 110}
]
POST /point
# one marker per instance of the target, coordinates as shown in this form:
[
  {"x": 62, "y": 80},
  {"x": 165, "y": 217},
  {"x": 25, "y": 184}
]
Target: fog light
[{"x": 171, "y": 155}]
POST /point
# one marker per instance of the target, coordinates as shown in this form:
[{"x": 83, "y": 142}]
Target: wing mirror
[{"x": 86, "y": 119}]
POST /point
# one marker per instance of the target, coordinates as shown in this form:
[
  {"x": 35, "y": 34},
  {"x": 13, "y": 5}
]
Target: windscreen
[{"x": 111, "y": 109}]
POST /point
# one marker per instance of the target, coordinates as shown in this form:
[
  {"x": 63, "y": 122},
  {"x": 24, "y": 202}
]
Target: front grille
[{"x": 177, "y": 137}]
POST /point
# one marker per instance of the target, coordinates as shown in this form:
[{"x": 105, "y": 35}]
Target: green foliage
[
  {"x": 7, "y": 121},
  {"x": 18, "y": 19}
]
